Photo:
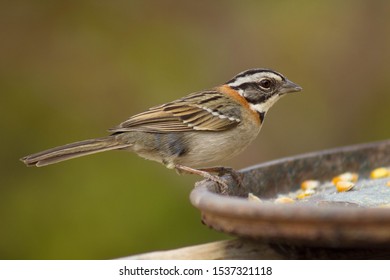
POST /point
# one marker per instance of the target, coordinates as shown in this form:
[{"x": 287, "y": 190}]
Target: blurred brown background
[{"x": 71, "y": 69}]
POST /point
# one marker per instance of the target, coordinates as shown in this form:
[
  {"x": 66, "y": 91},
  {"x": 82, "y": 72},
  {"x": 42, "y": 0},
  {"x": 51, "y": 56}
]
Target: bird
[{"x": 192, "y": 132}]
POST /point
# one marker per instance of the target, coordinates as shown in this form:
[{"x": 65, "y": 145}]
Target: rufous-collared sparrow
[{"x": 199, "y": 129}]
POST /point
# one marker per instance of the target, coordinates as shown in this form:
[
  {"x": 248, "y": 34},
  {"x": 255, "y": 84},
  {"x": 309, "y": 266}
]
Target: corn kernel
[
  {"x": 384, "y": 205},
  {"x": 344, "y": 186},
  {"x": 284, "y": 200},
  {"x": 306, "y": 193},
  {"x": 388, "y": 183},
  {"x": 347, "y": 176},
  {"x": 252, "y": 197},
  {"x": 380, "y": 172},
  {"x": 309, "y": 184}
]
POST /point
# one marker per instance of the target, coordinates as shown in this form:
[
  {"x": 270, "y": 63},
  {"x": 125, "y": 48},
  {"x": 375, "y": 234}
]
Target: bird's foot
[{"x": 205, "y": 173}]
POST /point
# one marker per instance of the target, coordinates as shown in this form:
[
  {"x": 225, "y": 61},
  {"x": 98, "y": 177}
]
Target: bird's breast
[{"x": 205, "y": 148}]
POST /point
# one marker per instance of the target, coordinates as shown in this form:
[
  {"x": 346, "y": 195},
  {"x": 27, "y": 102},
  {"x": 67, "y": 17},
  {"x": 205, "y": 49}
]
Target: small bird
[{"x": 199, "y": 129}]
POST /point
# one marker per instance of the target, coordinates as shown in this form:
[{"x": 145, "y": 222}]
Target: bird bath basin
[{"x": 359, "y": 218}]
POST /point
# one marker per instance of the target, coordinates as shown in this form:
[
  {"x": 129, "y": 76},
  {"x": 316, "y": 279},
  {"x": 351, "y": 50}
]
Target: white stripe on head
[{"x": 254, "y": 77}]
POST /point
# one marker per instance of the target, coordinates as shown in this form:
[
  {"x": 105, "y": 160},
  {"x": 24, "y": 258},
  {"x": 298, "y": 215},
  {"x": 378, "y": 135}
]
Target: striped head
[{"x": 262, "y": 88}]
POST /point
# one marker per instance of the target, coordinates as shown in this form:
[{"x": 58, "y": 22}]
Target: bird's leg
[
  {"x": 221, "y": 170},
  {"x": 223, "y": 187}
]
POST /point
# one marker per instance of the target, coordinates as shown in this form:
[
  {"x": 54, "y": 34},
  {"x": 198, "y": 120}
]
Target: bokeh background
[{"x": 71, "y": 69}]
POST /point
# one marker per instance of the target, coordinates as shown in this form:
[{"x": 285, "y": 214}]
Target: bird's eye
[{"x": 265, "y": 83}]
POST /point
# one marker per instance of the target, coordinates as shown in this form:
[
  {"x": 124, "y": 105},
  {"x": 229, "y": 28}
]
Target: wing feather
[{"x": 199, "y": 111}]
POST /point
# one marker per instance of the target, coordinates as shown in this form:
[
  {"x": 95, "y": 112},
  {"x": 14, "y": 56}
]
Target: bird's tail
[{"x": 73, "y": 150}]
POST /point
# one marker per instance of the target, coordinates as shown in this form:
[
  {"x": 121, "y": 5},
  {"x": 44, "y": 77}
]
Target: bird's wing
[{"x": 203, "y": 111}]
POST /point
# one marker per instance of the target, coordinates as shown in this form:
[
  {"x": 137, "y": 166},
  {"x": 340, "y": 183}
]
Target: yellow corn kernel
[
  {"x": 306, "y": 193},
  {"x": 380, "y": 172},
  {"x": 284, "y": 200},
  {"x": 384, "y": 205},
  {"x": 344, "y": 186},
  {"x": 347, "y": 177},
  {"x": 252, "y": 197},
  {"x": 309, "y": 184}
]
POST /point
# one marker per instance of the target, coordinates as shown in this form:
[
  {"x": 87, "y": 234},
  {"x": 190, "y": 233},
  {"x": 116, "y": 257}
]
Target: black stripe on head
[
  {"x": 254, "y": 71},
  {"x": 252, "y": 93}
]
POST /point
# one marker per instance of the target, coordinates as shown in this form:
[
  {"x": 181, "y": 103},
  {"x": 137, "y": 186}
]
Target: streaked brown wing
[{"x": 199, "y": 111}]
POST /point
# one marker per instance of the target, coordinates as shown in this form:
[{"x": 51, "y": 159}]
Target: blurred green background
[{"x": 72, "y": 69}]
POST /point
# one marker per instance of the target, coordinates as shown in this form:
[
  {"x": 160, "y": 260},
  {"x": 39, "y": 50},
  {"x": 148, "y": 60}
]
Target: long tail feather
[{"x": 73, "y": 150}]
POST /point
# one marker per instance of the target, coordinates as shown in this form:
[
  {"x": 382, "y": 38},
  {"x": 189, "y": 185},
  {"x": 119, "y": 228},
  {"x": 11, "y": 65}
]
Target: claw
[
  {"x": 222, "y": 186},
  {"x": 220, "y": 170}
]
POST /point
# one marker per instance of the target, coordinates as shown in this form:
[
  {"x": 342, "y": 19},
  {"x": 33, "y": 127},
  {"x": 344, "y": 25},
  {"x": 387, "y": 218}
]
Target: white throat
[{"x": 264, "y": 107}]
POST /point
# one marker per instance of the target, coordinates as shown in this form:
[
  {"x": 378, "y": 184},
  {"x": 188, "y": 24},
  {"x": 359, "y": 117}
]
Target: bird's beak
[{"x": 288, "y": 87}]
